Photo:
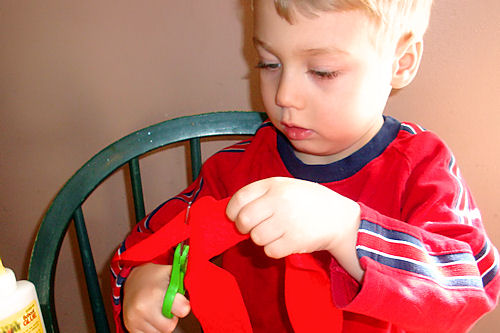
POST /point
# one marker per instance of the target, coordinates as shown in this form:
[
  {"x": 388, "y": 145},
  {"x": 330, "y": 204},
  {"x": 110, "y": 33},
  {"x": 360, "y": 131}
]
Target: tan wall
[{"x": 77, "y": 75}]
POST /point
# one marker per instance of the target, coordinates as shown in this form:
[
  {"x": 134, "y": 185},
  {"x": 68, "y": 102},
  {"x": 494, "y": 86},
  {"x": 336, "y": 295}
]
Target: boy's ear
[{"x": 407, "y": 61}]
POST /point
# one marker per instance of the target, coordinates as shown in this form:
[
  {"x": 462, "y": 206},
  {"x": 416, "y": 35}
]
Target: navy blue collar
[{"x": 344, "y": 168}]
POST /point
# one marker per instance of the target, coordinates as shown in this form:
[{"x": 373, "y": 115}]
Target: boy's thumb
[{"x": 181, "y": 306}]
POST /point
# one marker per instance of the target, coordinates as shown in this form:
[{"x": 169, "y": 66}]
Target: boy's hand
[
  {"x": 287, "y": 215},
  {"x": 144, "y": 291}
]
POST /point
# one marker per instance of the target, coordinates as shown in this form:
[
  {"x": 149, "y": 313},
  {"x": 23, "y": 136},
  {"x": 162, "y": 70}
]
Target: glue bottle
[{"x": 19, "y": 308}]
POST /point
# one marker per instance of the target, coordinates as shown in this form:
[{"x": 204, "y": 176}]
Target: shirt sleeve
[
  {"x": 150, "y": 224},
  {"x": 433, "y": 270}
]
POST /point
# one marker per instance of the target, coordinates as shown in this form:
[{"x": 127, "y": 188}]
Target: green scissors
[{"x": 179, "y": 266}]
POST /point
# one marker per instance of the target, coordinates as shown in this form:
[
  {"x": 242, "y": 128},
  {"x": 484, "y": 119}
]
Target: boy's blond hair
[{"x": 392, "y": 19}]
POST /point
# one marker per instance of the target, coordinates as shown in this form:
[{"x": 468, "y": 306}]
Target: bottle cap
[
  {"x": 7, "y": 281},
  {"x": 2, "y": 269}
]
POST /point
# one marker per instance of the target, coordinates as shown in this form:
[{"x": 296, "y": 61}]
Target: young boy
[{"x": 383, "y": 202}]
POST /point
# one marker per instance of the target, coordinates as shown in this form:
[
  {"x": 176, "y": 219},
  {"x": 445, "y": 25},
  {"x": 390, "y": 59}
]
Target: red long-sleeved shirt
[{"x": 429, "y": 266}]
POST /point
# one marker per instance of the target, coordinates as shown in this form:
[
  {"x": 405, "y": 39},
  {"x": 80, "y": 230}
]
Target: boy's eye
[
  {"x": 269, "y": 66},
  {"x": 324, "y": 75}
]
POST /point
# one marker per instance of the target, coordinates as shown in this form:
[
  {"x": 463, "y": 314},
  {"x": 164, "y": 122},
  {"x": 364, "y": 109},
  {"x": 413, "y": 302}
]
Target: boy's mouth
[{"x": 296, "y": 133}]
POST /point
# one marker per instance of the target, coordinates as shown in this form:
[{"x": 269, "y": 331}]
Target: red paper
[{"x": 214, "y": 294}]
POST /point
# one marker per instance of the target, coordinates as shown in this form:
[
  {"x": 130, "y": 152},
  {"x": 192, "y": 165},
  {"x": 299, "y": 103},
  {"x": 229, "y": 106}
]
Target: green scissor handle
[{"x": 176, "y": 284}]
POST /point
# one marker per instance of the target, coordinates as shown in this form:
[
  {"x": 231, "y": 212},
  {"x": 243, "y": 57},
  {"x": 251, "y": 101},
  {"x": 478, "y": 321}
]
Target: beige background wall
[{"x": 77, "y": 75}]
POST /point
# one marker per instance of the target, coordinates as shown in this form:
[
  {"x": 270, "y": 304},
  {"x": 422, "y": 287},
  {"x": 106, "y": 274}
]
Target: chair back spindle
[
  {"x": 95, "y": 296},
  {"x": 136, "y": 184}
]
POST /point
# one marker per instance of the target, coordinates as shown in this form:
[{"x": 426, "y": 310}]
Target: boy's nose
[{"x": 289, "y": 93}]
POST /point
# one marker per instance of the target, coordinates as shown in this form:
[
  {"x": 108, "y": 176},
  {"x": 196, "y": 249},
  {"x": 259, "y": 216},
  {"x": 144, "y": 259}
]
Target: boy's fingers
[
  {"x": 162, "y": 326},
  {"x": 156, "y": 322},
  {"x": 244, "y": 196},
  {"x": 278, "y": 249},
  {"x": 180, "y": 309},
  {"x": 181, "y": 306},
  {"x": 166, "y": 325},
  {"x": 265, "y": 233},
  {"x": 253, "y": 214}
]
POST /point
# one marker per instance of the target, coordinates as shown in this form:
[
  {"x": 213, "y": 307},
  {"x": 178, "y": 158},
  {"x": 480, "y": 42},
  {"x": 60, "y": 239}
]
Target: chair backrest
[{"x": 66, "y": 206}]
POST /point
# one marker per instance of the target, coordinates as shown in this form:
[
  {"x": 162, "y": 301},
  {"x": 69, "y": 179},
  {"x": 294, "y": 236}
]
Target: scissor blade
[{"x": 186, "y": 220}]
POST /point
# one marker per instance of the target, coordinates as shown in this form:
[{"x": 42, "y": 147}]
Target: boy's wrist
[
  {"x": 349, "y": 221},
  {"x": 343, "y": 246}
]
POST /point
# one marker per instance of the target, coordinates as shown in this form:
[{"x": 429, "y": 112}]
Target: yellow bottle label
[{"x": 27, "y": 320}]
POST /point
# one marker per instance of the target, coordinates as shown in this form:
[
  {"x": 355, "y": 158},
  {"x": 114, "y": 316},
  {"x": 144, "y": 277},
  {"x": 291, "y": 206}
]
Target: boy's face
[{"x": 323, "y": 83}]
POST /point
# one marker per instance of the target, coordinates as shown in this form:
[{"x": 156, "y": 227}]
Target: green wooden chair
[{"x": 66, "y": 206}]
